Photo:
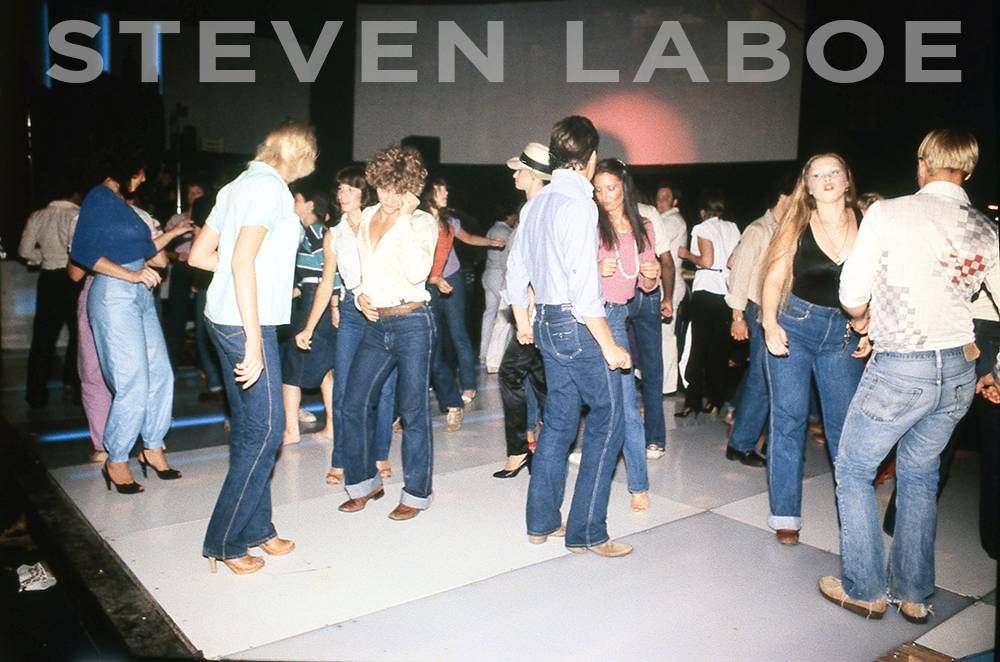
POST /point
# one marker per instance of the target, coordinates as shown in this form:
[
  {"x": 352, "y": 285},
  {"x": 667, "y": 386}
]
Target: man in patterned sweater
[{"x": 915, "y": 266}]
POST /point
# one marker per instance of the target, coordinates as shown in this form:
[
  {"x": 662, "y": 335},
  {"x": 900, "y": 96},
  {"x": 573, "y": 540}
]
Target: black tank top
[{"x": 815, "y": 277}]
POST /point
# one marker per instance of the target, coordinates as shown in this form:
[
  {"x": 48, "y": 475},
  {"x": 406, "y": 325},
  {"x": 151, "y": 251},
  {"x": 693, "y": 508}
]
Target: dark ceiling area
[{"x": 876, "y": 123}]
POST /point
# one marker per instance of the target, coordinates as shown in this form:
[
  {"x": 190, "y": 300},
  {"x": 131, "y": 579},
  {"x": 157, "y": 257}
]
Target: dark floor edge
[{"x": 110, "y": 597}]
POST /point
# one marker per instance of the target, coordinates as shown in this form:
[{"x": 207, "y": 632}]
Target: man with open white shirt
[{"x": 915, "y": 266}]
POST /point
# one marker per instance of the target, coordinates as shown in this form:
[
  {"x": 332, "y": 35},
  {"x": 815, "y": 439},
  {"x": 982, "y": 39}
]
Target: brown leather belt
[{"x": 402, "y": 309}]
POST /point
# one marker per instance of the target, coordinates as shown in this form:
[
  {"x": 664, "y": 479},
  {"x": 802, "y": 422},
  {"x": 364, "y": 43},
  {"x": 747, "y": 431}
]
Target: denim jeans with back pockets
[
  {"x": 242, "y": 515},
  {"x": 915, "y": 399},
  {"x": 575, "y": 374}
]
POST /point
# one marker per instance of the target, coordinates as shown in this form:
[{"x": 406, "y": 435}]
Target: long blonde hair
[{"x": 796, "y": 219}]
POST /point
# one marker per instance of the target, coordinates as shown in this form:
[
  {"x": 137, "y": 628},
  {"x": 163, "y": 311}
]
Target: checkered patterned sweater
[{"x": 920, "y": 259}]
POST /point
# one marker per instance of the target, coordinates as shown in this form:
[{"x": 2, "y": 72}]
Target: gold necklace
[{"x": 836, "y": 251}]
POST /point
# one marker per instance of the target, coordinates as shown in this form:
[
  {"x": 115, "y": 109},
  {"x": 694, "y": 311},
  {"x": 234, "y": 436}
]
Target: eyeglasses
[{"x": 836, "y": 173}]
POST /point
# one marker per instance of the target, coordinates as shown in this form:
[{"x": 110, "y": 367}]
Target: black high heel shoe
[
  {"x": 687, "y": 411},
  {"x": 122, "y": 488},
  {"x": 162, "y": 474},
  {"x": 511, "y": 473}
]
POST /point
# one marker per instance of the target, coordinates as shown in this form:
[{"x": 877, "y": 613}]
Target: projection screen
[{"x": 670, "y": 119}]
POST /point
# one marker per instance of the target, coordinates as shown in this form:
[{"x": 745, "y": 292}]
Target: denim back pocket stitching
[
  {"x": 879, "y": 404},
  {"x": 562, "y": 336},
  {"x": 962, "y": 396},
  {"x": 227, "y": 336}
]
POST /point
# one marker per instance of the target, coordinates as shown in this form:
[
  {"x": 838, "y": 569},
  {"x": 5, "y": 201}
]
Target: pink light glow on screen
[{"x": 651, "y": 131}]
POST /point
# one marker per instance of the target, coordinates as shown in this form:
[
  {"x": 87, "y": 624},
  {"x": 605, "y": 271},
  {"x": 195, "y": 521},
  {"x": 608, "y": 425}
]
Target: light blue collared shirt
[{"x": 555, "y": 248}]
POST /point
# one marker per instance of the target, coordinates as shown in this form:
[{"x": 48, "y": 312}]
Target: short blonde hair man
[
  {"x": 291, "y": 149},
  {"x": 951, "y": 149}
]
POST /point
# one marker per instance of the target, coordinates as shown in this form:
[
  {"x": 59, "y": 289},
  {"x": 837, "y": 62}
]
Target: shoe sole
[
  {"x": 402, "y": 518},
  {"x": 919, "y": 620},
  {"x": 857, "y": 609},
  {"x": 282, "y": 552},
  {"x": 351, "y": 509},
  {"x": 583, "y": 550}
]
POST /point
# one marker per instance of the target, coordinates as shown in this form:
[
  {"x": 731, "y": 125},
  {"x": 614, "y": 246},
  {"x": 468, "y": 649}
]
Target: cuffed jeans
[
  {"x": 752, "y": 406},
  {"x": 914, "y": 399},
  {"x": 400, "y": 343},
  {"x": 820, "y": 344},
  {"x": 644, "y": 314},
  {"x": 242, "y": 515},
  {"x": 634, "y": 446},
  {"x": 134, "y": 362},
  {"x": 575, "y": 374},
  {"x": 349, "y": 337}
]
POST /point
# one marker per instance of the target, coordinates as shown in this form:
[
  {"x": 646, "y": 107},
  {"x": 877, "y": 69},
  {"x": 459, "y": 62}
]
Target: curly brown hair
[{"x": 398, "y": 169}]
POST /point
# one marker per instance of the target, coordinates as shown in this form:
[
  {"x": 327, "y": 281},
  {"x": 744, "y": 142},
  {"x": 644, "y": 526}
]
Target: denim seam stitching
[
  {"x": 604, "y": 453},
  {"x": 263, "y": 446}
]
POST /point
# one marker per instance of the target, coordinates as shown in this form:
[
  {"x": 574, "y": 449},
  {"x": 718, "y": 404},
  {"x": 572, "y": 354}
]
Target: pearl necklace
[{"x": 618, "y": 261}]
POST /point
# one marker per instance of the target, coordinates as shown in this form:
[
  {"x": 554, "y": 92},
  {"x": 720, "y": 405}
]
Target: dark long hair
[
  {"x": 605, "y": 229},
  {"x": 353, "y": 176},
  {"x": 427, "y": 201}
]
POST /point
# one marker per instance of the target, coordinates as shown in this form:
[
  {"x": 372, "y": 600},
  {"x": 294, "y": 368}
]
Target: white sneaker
[
  {"x": 306, "y": 417},
  {"x": 574, "y": 457}
]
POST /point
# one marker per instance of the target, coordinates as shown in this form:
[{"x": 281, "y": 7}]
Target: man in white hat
[{"x": 531, "y": 172}]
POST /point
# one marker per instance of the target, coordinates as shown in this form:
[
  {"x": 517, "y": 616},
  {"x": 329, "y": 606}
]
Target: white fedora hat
[{"x": 534, "y": 157}]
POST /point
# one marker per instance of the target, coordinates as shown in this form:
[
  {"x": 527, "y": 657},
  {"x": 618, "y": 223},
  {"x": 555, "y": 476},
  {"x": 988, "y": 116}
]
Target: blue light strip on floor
[{"x": 185, "y": 422}]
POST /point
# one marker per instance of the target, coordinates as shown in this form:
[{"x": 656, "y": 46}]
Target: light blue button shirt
[{"x": 555, "y": 248}]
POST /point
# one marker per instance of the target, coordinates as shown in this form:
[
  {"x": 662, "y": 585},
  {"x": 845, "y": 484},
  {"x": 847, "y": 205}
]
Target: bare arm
[
  {"x": 183, "y": 227},
  {"x": 467, "y": 237},
  {"x": 75, "y": 272},
  {"x": 248, "y": 243},
  {"x": 205, "y": 250},
  {"x": 158, "y": 261},
  {"x": 146, "y": 276},
  {"x": 770, "y": 295},
  {"x": 324, "y": 293},
  {"x": 707, "y": 250},
  {"x": 667, "y": 284}
]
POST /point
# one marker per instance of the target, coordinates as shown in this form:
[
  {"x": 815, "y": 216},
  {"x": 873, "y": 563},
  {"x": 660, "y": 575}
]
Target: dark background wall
[{"x": 876, "y": 124}]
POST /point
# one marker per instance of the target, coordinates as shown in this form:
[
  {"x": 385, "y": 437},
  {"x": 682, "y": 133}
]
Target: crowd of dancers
[{"x": 872, "y": 318}]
